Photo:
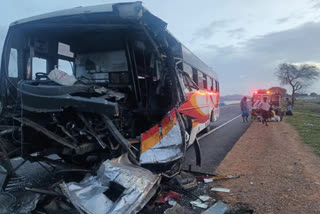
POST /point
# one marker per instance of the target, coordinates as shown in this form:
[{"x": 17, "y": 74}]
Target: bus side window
[
  {"x": 195, "y": 76},
  {"x": 200, "y": 80},
  {"x": 188, "y": 69},
  {"x": 205, "y": 83},
  {"x": 218, "y": 86},
  {"x": 13, "y": 64},
  {"x": 209, "y": 83},
  {"x": 66, "y": 66}
]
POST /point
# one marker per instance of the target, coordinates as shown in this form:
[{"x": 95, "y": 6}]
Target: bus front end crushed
[{"x": 92, "y": 95}]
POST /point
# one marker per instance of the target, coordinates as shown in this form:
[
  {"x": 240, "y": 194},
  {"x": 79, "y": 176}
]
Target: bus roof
[
  {"x": 130, "y": 10},
  {"x": 197, "y": 63},
  {"x": 104, "y": 8}
]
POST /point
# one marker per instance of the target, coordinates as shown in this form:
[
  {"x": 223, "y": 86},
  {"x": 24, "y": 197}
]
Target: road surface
[{"x": 216, "y": 145}]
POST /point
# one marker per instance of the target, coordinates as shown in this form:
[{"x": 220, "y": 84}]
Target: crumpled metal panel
[
  {"x": 169, "y": 143},
  {"x": 89, "y": 196},
  {"x": 18, "y": 202}
]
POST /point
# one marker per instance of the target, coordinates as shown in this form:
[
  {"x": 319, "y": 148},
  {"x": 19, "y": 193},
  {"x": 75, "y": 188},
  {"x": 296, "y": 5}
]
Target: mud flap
[{"x": 197, "y": 150}]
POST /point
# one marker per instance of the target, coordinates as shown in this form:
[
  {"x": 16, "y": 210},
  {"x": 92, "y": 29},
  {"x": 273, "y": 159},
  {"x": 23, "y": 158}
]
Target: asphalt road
[{"x": 216, "y": 145}]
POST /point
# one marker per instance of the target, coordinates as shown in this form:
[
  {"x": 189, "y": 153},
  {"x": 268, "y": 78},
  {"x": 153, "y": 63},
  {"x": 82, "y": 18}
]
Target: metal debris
[
  {"x": 204, "y": 198},
  {"x": 177, "y": 209},
  {"x": 167, "y": 196},
  {"x": 137, "y": 186},
  {"x": 186, "y": 181},
  {"x": 198, "y": 203},
  {"x": 172, "y": 202},
  {"x": 216, "y": 177},
  {"x": 207, "y": 180},
  {"x": 217, "y": 208},
  {"x": 18, "y": 202},
  {"x": 220, "y": 189}
]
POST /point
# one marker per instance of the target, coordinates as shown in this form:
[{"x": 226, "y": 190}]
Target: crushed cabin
[{"x": 91, "y": 84}]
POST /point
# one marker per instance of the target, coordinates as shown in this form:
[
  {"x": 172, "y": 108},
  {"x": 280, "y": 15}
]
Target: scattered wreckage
[{"x": 104, "y": 89}]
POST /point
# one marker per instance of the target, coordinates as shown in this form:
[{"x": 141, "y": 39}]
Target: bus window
[
  {"x": 13, "y": 64},
  {"x": 195, "y": 75},
  {"x": 187, "y": 68},
  {"x": 209, "y": 83},
  {"x": 38, "y": 65},
  {"x": 200, "y": 80},
  {"x": 205, "y": 83},
  {"x": 217, "y": 86},
  {"x": 65, "y": 66},
  {"x": 188, "y": 83}
]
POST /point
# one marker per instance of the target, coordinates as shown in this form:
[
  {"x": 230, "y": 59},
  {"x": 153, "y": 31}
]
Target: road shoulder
[{"x": 279, "y": 173}]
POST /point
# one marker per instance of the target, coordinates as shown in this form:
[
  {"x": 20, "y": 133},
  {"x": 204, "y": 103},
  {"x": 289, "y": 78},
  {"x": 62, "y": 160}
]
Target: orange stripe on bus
[{"x": 151, "y": 137}]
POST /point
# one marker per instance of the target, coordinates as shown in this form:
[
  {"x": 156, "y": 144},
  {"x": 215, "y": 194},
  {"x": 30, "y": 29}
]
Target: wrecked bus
[{"x": 94, "y": 84}]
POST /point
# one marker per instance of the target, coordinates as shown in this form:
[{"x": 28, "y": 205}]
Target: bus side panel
[{"x": 197, "y": 106}]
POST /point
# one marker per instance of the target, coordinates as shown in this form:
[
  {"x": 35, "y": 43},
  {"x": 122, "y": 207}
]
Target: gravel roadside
[{"x": 279, "y": 173}]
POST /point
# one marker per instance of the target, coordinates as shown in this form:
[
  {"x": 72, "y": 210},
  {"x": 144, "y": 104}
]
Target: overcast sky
[{"x": 242, "y": 40}]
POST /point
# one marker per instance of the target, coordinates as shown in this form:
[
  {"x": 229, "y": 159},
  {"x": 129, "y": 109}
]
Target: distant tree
[
  {"x": 297, "y": 77},
  {"x": 281, "y": 91},
  {"x": 313, "y": 94}
]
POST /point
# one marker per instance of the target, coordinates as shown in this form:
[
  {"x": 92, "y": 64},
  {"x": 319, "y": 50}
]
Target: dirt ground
[{"x": 279, "y": 173}]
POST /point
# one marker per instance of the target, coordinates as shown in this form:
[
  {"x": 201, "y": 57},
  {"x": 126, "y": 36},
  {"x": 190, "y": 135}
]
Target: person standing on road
[
  {"x": 244, "y": 109},
  {"x": 264, "y": 109},
  {"x": 289, "y": 107}
]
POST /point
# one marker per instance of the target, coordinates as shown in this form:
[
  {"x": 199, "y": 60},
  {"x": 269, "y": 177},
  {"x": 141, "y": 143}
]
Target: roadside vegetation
[{"x": 306, "y": 120}]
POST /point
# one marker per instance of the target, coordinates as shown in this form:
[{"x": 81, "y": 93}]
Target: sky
[{"x": 244, "y": 41}]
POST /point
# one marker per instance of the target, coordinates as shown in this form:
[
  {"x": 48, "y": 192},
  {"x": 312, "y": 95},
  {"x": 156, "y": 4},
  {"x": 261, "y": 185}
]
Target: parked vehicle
[{"x": 273, "y": 98}]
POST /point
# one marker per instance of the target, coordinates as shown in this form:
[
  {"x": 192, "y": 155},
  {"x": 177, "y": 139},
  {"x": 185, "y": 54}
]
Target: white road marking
[{"x": 215, "y": 129}]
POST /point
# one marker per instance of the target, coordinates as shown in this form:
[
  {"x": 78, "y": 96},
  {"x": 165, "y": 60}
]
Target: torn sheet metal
[
  {"x": 217, "y": 208},
  {"x": 199, "y": 204},
  {"x": 3, "y": 176},
  {"x": 18, "y": 202},
  {"x": 55, "y": 98},
  {"x": 220, "y": 189},
  {"x": 108, "y": 93},
  {"x": 162, "y": 143},
  {"x": 132, "y": 187}
]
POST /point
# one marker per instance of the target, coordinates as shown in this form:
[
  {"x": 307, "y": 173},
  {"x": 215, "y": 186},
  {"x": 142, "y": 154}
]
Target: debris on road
[
  {"x": 177, "y": 209},
  {"x": 218, "y": 208},
  {"x": 198, "y": 203},
  {"x": 208, "y": 179},
  {"x": 172, "y": 202},
  {"x": 186, "y": 180},
  {"x": 220, "y": 189},
  {"x": 118, "y": 187},
  {"x": 167, "y": 196},
  {"x": 204, "y": 198}
]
